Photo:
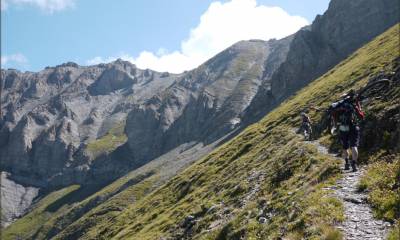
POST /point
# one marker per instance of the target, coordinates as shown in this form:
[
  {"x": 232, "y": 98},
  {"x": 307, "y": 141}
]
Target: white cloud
[
  {"x": 16, "y": 59},
  {"x": 49, "y": 6},
  {"x": 220, "y": 26}
]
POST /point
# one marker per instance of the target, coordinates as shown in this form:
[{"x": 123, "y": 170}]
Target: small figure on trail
[
  {"x": 346, "y": 114},
  {"x": 305, "y": 128}
]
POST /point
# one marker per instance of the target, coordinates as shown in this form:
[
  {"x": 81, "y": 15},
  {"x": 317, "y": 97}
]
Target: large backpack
[{"x": 345, "y": 114}]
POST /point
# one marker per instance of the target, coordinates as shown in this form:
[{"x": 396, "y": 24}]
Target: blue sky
[{"x": 171, "y": 35}]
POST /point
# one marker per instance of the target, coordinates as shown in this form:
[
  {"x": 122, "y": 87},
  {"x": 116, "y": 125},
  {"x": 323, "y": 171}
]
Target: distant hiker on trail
[
  {"x": 305, "y": 127},
  {"x": 346, "y": 114}
]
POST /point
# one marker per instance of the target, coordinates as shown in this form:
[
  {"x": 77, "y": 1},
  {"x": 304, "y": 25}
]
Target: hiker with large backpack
[
  {"x": 305, "y": 127},
  {"x": 346, "y": 115}
]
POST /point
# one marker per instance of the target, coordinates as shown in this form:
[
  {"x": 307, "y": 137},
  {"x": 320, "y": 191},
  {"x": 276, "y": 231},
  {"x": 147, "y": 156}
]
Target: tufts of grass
[
  {"x": 332, "y": 234},
  {"x": 394, "y": 234},
  {"x": 383, "y": 181}
]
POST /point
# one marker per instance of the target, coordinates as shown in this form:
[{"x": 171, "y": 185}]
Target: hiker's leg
[
  {"x": 354, "y": 142},
  {"x": 354, "y": 154},
  {"x": 345, "y": 153},
  {"x": 354, "y": 158},
  {"x": 344, "y": 139},
  {"x": 345, "y": 156}
]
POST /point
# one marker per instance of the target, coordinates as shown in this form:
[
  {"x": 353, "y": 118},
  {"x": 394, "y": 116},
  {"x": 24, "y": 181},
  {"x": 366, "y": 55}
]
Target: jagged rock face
[
  {"x": 204, "y": 104},
  {"x": 49, "y": 117},
  {"x": 345, "y": 27}
]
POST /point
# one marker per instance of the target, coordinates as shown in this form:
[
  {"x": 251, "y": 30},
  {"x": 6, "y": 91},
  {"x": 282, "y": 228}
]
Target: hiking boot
[
  {"x": 353, "y": 166},
  {"x": 347, "y": 165}
]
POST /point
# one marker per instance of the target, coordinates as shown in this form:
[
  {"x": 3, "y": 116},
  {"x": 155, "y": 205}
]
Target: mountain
[
  {"x": 265, "y": 173},
  {"x": 84, "y": 144}
]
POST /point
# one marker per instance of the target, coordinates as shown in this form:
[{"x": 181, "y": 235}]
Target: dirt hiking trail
[{"x": 360, "y": 223}]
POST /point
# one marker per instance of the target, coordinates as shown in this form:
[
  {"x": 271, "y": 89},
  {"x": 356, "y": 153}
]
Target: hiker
[
  {"x": 346, "y": 114},
  {"x": 306, "y": 126}
]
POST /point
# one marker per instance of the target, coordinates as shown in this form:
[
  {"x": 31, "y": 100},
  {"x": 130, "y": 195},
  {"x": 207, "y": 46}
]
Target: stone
[{"x": 262, "y": 220}]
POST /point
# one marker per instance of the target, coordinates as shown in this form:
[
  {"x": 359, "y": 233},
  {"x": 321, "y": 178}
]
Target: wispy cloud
[
  {"x": 48, "y": 6},
  {"x": 220, "y": 26},
  {"x": 17, "y": 59}
]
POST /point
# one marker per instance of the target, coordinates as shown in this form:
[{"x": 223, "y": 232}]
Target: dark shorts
[{"x": 350, "y": 138}]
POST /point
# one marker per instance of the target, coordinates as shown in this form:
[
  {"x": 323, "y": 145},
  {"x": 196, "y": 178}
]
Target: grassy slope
[
  {"x": 291, "y": 190},
  {"x": 109, "y": 142}
]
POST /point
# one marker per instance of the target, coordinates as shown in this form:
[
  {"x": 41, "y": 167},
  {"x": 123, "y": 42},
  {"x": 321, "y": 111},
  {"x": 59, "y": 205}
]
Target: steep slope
[
  {"x": 265, "y": 182},
  {"x": 343, "y": 28},
  {"x": 267, "y": 171}
]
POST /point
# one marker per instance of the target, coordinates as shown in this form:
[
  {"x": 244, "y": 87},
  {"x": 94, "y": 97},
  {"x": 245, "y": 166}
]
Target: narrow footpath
[{"x": 360, "y": 223}]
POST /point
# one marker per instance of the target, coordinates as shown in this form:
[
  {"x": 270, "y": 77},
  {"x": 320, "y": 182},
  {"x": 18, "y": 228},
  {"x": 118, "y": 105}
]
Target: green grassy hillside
[{"x": 265, "y": 171}]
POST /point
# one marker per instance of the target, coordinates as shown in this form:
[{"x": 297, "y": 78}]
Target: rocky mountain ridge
[{"x": 50, "y": 116}]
